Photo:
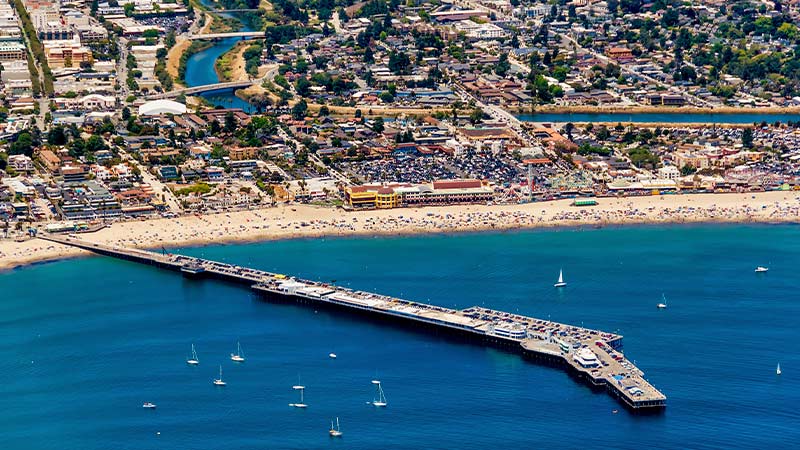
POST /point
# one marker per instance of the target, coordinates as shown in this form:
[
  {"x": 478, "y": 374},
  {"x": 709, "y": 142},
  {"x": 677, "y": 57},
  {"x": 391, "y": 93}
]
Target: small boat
[
  {"x": 761, "y": 269},
  {"x": 302, "y": 400},
  {"x": 614, "y": 411},
  {"x": 332, "y": 355},
  {"x": 380, "y": 400},
  {"x": 193, "y": 361},
  {"x": 218, "y": 381},
  {"x": 148, "y": 405},
  {"x": 238, "y": 356},
  {"x": 561, "y": 282},
  {"x": 664, "y": 304},
  {"x": 335, "y": 432},
  {"x": 778, "y": 370}
]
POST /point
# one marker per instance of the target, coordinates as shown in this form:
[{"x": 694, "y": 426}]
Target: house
[
  {"x": 20, "y": 163},
  {"x": 619, "y": 53},
  {"x": 168, "y": 172}
]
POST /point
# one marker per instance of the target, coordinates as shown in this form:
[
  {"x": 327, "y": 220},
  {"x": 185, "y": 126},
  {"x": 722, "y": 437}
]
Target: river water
[
  {"x": 84, "y": 342},
  {"x": 200, "y": 70},
  {"x": 739, "y": 118}
]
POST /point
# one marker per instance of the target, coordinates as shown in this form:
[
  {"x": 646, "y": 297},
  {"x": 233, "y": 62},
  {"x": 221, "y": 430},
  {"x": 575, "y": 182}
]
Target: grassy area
[
  {"x": 199, "y": 188},
  {"x": 224, "y": 64}
]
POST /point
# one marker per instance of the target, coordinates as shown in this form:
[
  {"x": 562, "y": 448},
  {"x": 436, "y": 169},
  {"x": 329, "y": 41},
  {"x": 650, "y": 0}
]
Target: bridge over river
[
  {"x": 233, "y": 34},
  {"x": 200, "y": 89}
]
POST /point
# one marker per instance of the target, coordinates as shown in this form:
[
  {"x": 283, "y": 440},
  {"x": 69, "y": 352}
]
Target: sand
[{"x": 294, "y": 221}]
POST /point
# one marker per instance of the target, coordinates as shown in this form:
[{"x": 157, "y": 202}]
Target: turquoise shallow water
[{"x": 84, "y": 342}]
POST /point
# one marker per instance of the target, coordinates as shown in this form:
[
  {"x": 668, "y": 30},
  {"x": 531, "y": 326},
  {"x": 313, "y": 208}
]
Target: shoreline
[{"x": 311, "y": 222}]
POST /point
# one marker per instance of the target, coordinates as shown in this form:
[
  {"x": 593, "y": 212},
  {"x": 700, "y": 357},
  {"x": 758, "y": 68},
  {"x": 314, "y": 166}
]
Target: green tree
[
  {"x": 230, "y": 122},
  {"x": 23, "y": 145},
  {"x": 299, "y": 110},
  {"x": 399, "y": 63},
  {"x": 747, "y": 138},
  {"x": 569, "y": 128},
  {"x": 56, "y": 136},
  {"x": 476, "y": 116},
  {"x": 503, "y": 66},
  {"x": 377, "y": 125}
]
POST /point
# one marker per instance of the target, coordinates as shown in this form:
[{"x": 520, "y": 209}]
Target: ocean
[{"x": 84, "y": 342}]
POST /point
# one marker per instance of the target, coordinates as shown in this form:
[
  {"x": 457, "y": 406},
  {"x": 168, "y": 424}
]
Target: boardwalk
[{"x": 591, "y": 355}]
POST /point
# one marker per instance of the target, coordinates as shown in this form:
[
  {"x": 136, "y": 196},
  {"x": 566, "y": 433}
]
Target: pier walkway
[{"x": 591, "y": 355}]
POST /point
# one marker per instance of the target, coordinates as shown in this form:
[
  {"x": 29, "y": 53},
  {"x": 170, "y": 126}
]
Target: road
[
  {"x": 315, "y": 159},
  {"x": 692, "y": 98},
  {"x": 160, "y": 189},
  {"x": 497, "y": 113}
]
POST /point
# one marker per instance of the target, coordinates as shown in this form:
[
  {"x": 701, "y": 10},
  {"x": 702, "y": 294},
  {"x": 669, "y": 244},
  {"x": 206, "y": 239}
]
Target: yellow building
[
  {"x": 386, "y": 198},
  {"x": 359, "y": 197}
]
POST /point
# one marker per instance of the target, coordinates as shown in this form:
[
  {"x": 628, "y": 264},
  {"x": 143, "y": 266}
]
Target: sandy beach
[{"x": 296, "y": 221}]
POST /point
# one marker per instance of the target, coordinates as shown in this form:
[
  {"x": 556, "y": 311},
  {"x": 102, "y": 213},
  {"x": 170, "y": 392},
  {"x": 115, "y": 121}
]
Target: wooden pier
[{"x": 592, "y": 356}]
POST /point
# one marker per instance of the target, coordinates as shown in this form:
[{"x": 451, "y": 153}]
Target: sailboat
[
  {"x": 778, "y": 370},
  {"x": 762, "y": 269},
  {"x": 381, "y": 399},
  {"x": 218, "y": 381},
  {"x": 664, "y": 304},
  {"x": 193, "y": 361},
  {"x": 302, "y": 401},
  {"x": 238, "y": 356},
  {"x": 335, "y": 432},
  {"x": 561, "y": 282}
]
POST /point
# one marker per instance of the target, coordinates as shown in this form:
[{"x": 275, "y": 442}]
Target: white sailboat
[
  {"x": 238, "y": 356},
  {"x": 302, "y": 400},
  {"x": 332, "y": 355},
  {"x": 664, "y": 304},
  {"x": 778, "y": 370},
  {"x": 218, "y": 381},
  {"x": 193, "y": 361},
  {"x": 380, "y": 400},
  {"x": 761, "y": 269},
  {"x": 335, "y": 432},
  {"x": 561, "y": 282}
]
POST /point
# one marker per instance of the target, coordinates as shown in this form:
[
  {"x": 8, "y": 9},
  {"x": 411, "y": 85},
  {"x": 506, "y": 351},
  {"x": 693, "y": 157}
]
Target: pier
[{"x": 592, "y": 356}]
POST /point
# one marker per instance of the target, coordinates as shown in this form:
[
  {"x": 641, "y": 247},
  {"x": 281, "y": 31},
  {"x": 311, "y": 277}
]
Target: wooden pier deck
[{"x": 591, "y": 355}]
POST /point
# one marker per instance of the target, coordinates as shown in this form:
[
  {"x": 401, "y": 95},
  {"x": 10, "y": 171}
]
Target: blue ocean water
[{"x": 84, "y": 342}]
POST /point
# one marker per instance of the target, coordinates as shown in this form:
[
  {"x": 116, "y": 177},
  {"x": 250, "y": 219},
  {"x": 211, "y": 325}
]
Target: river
[
  {"x": 718, "y": 118},
  {"x": 200, "y": 70}
]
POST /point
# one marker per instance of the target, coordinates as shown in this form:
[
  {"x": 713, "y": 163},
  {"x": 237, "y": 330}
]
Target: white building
[
  {"x": 20, "y": 163},
  {"x": 669, "y": 173},
  {"x": 479, "y": 30}
]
